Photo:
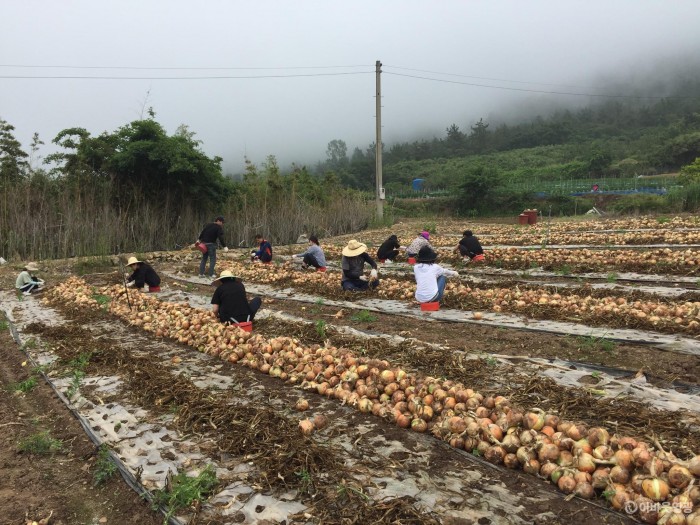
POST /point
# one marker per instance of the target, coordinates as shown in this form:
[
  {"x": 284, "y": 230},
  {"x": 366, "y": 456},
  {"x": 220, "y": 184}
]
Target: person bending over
[
  {"x": 264, "y": 251},
  {"x": 26, "y": 281},
  {"x": 230, "y": 302},
  {"x": 389, "y": 250},
  {"x": 353, "y": 263},
  {"x": 470, "y": 248},
  {"x": 212, "y": 234},
  {"x": 142, "y": 274},
  {"x": 430, "y": 277},
  {"x": 313, "y": 256}
]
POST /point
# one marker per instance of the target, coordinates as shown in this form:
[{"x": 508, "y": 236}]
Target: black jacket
[
  {"x": 211, "y": 233},
  {"x": 472, "y": 246},
  {"x": 232, "y": 300},
  {"x": 353, "y": 267},
  {"x": 388, "y": 246},
  {"x": 144, "y": 274}
]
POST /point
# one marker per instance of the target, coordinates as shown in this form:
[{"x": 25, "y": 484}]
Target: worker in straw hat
[
  {"x": 26, "y": 282},
  {"x": 142, "y": 274},
  {"x": 353, "y": 264},
  {"x": 431, "y": 278},
  {"x": 230, "y": 302}
]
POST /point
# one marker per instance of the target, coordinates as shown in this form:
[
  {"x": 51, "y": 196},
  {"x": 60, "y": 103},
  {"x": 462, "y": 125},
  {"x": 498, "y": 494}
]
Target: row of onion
[
  {"x": 587, "y": 462},
  {"x": 649, "y": 314}
]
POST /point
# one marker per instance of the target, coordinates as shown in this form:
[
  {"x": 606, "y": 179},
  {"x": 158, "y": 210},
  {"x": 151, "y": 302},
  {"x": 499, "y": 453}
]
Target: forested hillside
[{"x": 614, "y": 140}]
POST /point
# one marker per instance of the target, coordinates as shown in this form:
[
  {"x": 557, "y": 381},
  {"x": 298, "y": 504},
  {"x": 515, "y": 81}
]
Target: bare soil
[
  {"x": 59, "y": 484},
  {"x": 425, "y": 457}
]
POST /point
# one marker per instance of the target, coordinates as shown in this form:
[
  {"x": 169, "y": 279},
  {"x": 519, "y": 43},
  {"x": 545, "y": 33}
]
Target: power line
[
  {"x": 538, "y": 90},
  {"x": 179, "y": 68},
  {"x": 489, "y": 78},
  {"x": 188, "y": 78}
]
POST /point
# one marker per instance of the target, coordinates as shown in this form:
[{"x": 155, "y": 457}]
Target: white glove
[
  {"x": 131, "y": 283},
  {"x": 252, "y": 253},
  {"x": 451, "y": 273},
  {"x": 363, "y": 277},
  {"x": 225, "y": 248},
  {"x": 373, "y": 275},
  {"x": 294, "y": 256}
]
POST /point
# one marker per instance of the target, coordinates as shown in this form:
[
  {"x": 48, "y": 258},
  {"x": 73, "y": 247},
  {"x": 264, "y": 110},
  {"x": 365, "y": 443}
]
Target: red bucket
[
  {"x": 322, "y": 269},
  {"x": 523, "y": 218},
  {"x": 430, "y": 307},
  {"x": 153, "y": 289},
  {"x": 479, "y": 258},
  {"x": 411, "y": 260},
  {"x": 246, "y": 326},
  {"x": 201, "y": 247}
]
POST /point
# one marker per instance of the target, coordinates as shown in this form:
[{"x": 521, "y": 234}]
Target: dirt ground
[
  {"x": 61, "y": 483},
  {"x": 368, "y": 439}
]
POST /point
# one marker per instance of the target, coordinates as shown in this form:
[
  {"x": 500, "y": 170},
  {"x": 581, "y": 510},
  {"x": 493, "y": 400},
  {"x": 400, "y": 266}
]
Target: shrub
[{"x": 640, "y": 204}]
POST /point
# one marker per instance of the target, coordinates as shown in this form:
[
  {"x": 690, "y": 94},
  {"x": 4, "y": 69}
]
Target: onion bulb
[
  {"x": 655, "y": 489},
  {"x": 679, "y": 477},
  {"x": 306, "y": 427}
]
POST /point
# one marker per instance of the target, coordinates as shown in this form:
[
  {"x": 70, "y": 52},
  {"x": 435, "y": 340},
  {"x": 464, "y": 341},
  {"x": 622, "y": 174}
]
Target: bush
[
  {"x": 640, "y": 204},
  {"x": 685, "y": 199}
]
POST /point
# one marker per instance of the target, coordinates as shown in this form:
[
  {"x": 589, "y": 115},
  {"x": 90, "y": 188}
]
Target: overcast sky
[{"x": 520, "y": 44}]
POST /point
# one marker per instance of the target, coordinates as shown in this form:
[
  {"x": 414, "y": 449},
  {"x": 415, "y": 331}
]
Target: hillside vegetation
[
  {"x": 610, "y": 144},
  {"x": 139, "y": 188}
]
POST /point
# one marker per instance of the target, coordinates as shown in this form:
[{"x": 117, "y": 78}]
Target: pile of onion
[{"x": 587, "y": 462}]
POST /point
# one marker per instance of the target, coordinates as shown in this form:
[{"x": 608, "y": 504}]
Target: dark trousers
[
  {"x": 389, "y": 255},
  {"x": 211, "y": 255},
  {"x": 358, "y": 285},
  {"x": 254, "y": 305},
  {"x": 29, "y": 287},
  {"x": 311, "y": 260}
]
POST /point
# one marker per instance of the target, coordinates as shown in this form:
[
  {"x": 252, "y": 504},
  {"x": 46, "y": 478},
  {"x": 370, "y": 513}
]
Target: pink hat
[{"x": 425, "y": 235}]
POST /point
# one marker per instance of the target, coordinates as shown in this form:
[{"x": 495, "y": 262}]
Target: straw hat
[
  {"x": 226, "y": 274},
  {"x": 32, "y": 267},
  {"x": 426, "y": 255},
  {"x": 354, "y": 248},
  {"x": 132, "y": 260}
]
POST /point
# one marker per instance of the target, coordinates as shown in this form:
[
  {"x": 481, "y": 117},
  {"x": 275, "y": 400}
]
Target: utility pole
[{"x": 378, "y": 155}]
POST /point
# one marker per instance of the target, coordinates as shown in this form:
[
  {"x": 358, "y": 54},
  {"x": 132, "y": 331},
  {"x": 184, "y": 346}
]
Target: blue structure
[
  {"x": 417, "y": 184},
  {"x": 652, "y": 191}
]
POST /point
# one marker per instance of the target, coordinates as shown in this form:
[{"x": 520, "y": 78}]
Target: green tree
[
  {"x": 690, "y": 173},
  {"x": 337, "y": 153},
  {"x": 455, "y": 139},
  {"x": 13, "y": 159},
  {"x": 478, "y": 189},
  {"x": 479, "y": 137},
  {"x": 140, "y": 158},
  {"x": 598, "y": 162}
]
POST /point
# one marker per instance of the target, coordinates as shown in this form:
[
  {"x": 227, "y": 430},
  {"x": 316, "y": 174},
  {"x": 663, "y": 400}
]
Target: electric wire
[
  {"x": 527, "y": 90},
  {"x": 489, "y": 78},
  {"x": 226, "y": 77},
  {"x": 30, "y": 66}
]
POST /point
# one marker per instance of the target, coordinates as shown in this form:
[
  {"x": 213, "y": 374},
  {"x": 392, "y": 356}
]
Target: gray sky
[{"x": 575, "y": 43}]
